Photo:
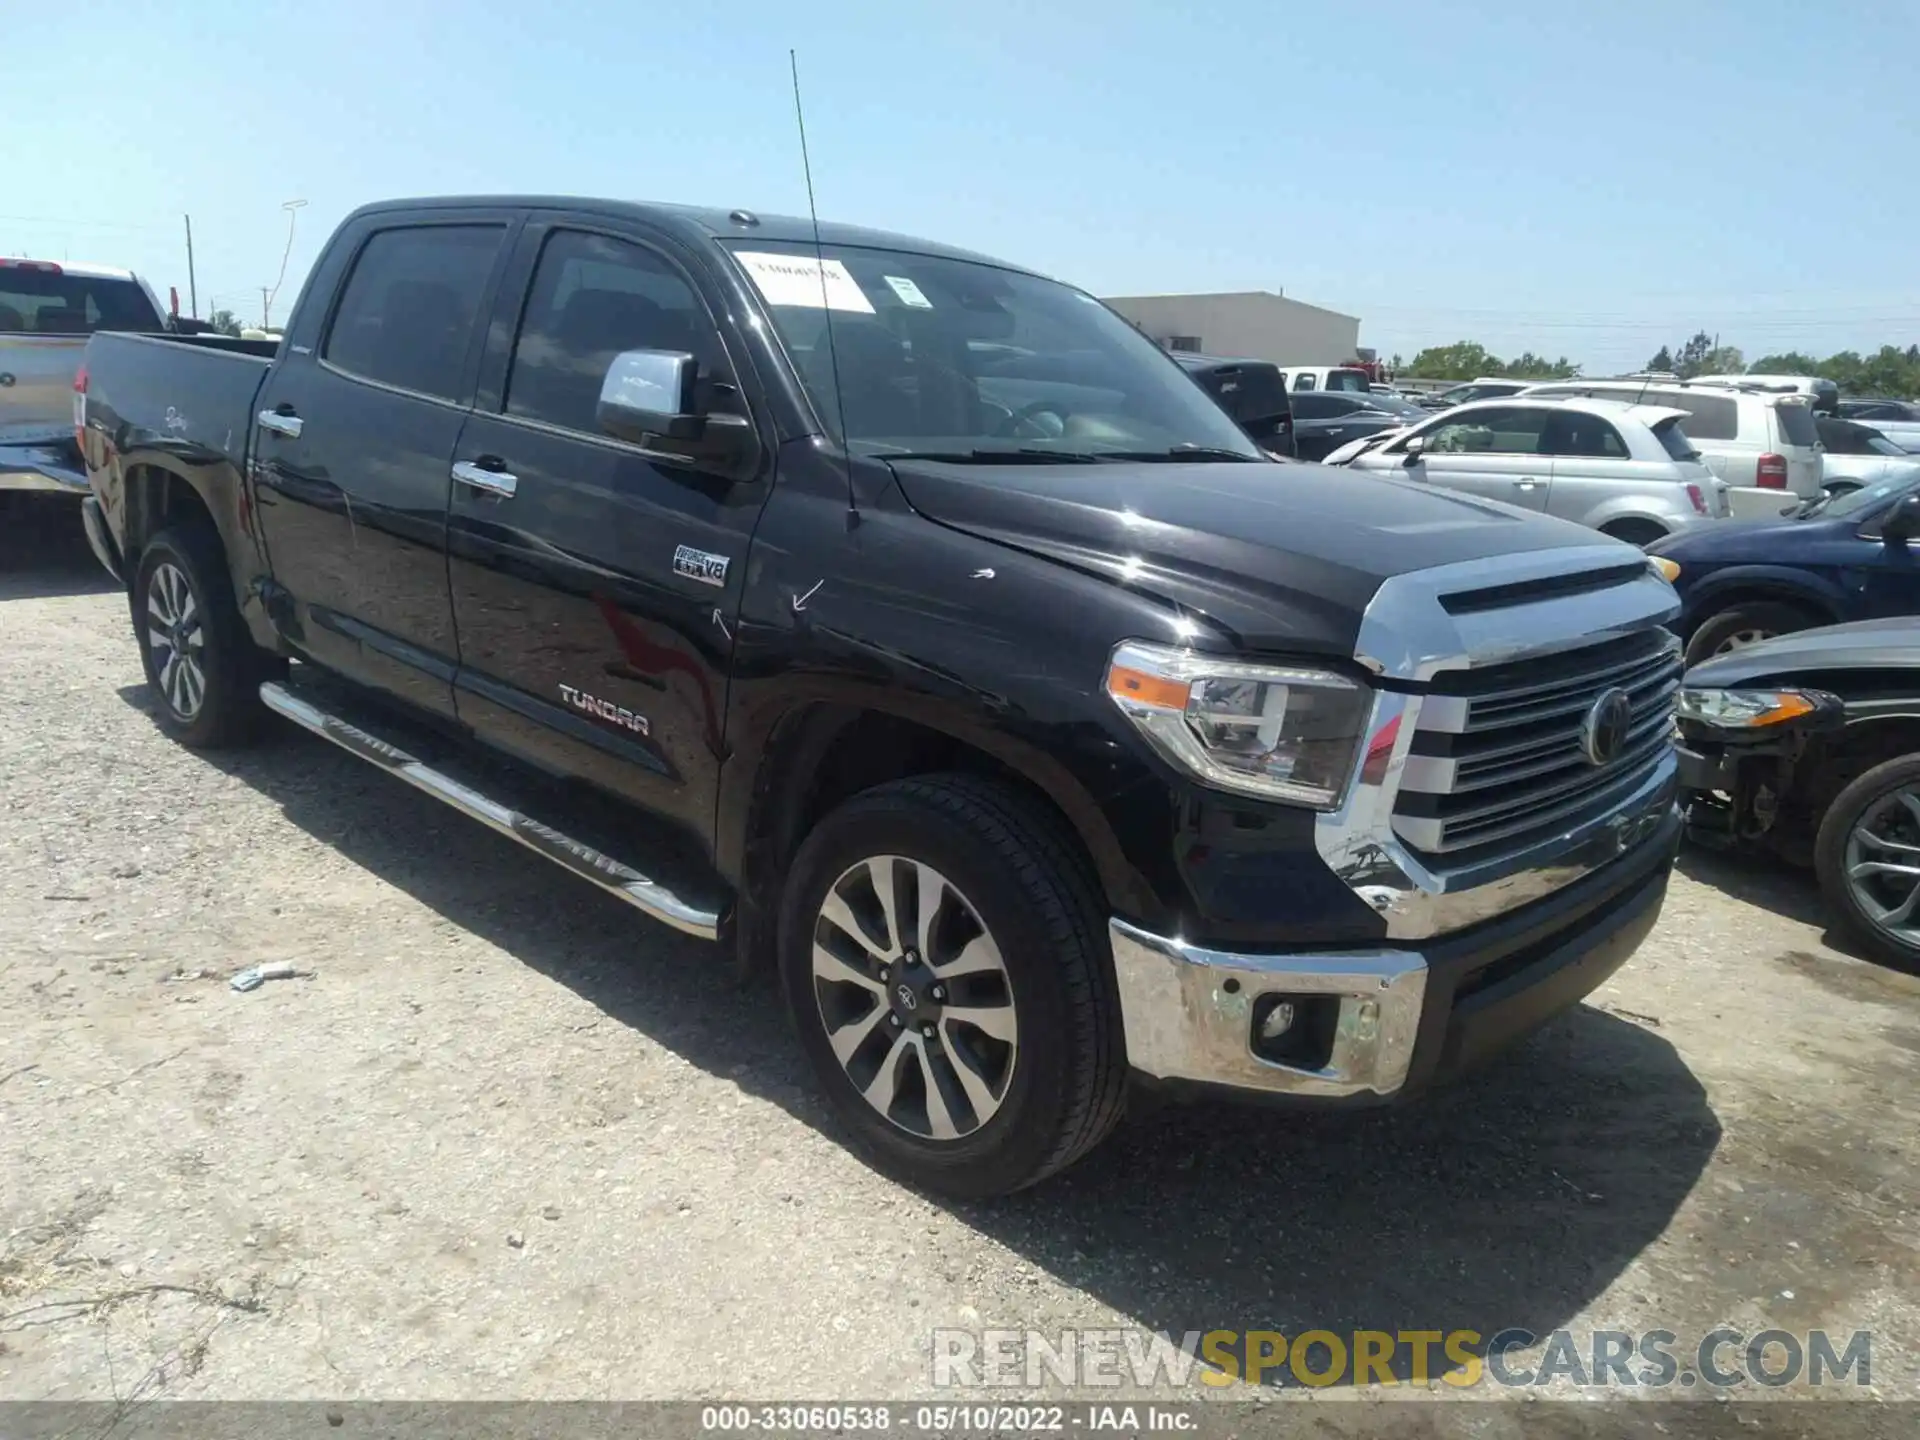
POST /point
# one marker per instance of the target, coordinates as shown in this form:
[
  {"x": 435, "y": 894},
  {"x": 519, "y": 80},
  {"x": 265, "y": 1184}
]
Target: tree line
[{"x": 1888, "y": 371}]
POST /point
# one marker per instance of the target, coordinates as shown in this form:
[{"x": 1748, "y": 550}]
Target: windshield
[
  {"x": 45, "y": 302},
  {"x": 1871, "y": 497},
  {"x": 937, "y": 356}
]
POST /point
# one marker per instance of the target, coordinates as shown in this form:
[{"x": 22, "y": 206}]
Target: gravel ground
[{"x": 507, "y": 1140}]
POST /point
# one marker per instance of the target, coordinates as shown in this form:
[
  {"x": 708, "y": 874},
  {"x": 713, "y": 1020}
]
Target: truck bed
[{"x": 191, "y": 391}]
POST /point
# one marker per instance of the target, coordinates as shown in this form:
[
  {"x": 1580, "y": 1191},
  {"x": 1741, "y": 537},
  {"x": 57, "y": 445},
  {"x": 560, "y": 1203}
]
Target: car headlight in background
[
  {"x": 1276, "y": 731},
  {"x": 1744, "y": 709}
]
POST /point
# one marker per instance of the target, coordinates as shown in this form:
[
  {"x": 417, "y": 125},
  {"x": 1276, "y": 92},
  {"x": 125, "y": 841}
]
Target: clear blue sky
[{"x": 1588, "y": 178}]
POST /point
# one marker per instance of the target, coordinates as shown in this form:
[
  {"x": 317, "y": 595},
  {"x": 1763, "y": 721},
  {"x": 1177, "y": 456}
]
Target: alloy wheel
[
  {"x": 915, "y": 997},
  {"x": 177, "y": 640},
  {"x": 1883, "y": 864},
  {"x": 1740, "y": 639}
]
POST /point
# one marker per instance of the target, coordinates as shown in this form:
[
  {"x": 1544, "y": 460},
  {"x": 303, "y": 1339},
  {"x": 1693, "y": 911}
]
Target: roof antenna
[{"x": 826, "y": 301}]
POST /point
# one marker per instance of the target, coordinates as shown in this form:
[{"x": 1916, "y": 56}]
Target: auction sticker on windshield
[
  {"x": 804, "y": 281},
  {"x": 909, "y": 293}
]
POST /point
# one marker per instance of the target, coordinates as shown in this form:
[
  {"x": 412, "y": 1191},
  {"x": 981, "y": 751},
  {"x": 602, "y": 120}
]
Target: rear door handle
[
  {"x": 494, "y": 482},
  {"x": 1527, "y": 483},
  {"x": 281, "y": 423}
]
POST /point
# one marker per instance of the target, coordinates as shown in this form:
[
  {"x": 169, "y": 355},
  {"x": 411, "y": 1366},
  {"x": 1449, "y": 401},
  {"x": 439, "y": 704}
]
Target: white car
[
  {"x": 1626, "y": 470},
  {"x": 1326, "y": 377},
  {"x": 1763, "y": 443}
]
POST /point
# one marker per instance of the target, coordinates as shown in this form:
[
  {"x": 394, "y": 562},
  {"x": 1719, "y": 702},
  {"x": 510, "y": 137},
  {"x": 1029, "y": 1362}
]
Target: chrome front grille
[{"x": 1499, "y": 759}]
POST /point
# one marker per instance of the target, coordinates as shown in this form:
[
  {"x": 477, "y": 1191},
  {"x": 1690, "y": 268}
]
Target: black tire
[
  {"x": 1635, "y": 532},
  {"x": 1760, "y": 618},
  {"x": 1857, "y": 802},
  {"x": 223, "y": 708},
  {"x": 1017, "y": 871}
]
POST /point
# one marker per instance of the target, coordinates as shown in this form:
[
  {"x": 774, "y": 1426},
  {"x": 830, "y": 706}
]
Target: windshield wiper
[
  {"x": 1814, "y": 505},
  {"x": 1025, "y": 455},
  {"x": 1180, "y": 452}
]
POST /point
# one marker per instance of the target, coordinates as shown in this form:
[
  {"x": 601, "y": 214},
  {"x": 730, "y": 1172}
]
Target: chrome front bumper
[
  {"x": 1188, "y": 1013},
  {"x": 1404, "y": 1019}
]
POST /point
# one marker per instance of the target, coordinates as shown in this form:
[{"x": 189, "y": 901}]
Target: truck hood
[
  {"x": 1281, "y": 556},
  {"x": 1865, "y": 644}
]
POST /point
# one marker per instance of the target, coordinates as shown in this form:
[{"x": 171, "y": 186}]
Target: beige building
[{"x": 1247, "y": 325}]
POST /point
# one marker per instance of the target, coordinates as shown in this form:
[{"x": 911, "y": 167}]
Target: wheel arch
[
  {"x": 156, "y": 495},
  {"x": 843, "y": 748},
  {"x": 1753, "y": 583}
]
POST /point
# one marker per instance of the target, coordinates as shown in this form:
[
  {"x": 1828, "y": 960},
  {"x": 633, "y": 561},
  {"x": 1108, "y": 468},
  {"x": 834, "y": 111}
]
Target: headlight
[
  {"x": 1269, "y": 730},
  {"x": 1667, "y": 570},
  {"x": 1743, "y": 709}
]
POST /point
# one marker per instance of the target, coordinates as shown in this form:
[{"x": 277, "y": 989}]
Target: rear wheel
[
  {"x": 1868, "y": 859},
  {"x": 1746, "y": 623},
  {"x": 201, "y": 663},
  {"x": 944, "y": 957}
]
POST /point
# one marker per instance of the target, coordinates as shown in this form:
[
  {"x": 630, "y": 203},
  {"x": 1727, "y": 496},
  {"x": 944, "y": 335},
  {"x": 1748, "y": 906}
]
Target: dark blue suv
[{"x": 1849, "y": 557}]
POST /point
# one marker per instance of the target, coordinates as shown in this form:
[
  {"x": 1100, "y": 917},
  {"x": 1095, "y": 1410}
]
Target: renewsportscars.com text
[{"x": 1721, "y": 1359}]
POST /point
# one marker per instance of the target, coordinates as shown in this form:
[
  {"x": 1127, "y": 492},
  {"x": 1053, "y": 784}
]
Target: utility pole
[
  {"x": 266, "y": 299},
  {"x": 193, "y": 290}
]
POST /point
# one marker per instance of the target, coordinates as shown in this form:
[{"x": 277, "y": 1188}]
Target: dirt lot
[{"x": 508, "y": 1140}]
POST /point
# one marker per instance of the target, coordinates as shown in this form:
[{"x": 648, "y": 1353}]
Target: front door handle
[
  {"x": 494, "y": 482},
  {"x": 281, "y": 423}
]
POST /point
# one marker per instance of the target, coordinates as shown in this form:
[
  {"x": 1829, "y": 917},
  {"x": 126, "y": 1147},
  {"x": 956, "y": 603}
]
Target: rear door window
[
  {"x": 1796, "y": 424},
  {"x": 408, "y": 313},
  {"x": 1304, "y": 380},
  {"x": 1571, "y": 432},
  {"x": 53, "y": 302}
]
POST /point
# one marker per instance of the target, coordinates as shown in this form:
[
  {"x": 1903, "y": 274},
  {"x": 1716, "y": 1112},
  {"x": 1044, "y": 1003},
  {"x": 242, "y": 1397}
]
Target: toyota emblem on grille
[{"x": 1603, "y": 734}]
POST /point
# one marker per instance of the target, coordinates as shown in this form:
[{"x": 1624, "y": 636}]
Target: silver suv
[
  {"x": 47, "y": 311},
  {"x": 1627, "y": 470},
  {"x": 1761, "y": 443}
]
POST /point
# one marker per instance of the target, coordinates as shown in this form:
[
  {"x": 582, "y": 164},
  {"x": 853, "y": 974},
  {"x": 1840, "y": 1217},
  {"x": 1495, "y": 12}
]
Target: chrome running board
[{"x": 609, "y": 874}]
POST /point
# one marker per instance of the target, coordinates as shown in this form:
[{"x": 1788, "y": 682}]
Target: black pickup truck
[{"x": 911, "y": 625}]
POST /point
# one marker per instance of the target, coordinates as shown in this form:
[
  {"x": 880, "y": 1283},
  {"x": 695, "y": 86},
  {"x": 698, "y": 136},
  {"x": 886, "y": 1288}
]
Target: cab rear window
[
  {"x": 1354, "y": 381},
  {"x": 1796, "y": 423},
  {"x": 47, "y": 302}
]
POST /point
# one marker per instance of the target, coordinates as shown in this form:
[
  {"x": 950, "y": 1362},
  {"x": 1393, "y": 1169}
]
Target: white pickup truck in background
[{"x": 47, "y": 311}]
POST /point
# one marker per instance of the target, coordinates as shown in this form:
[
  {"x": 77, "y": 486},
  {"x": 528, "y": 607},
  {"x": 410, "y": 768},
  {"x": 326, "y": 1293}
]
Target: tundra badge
[
  {"x": 702, "y": 565},
  {"x": 605, "y": 709}
]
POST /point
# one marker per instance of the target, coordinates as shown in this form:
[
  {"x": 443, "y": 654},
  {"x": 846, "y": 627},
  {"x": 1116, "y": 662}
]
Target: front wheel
[
  {"x": 1744, "y": 624},
  {"x": 944, "y": 956},
  {"x": 203, "y": 667},
  {"x": 1868, "y": 860}
]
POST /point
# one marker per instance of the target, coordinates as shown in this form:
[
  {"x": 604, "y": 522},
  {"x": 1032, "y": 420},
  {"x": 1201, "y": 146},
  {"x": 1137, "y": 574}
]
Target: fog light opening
[{"x": 1295, "y": 1030}]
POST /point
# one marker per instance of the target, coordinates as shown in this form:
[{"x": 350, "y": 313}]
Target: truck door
[
  {"x": 595, "y": 584},
  {"x": 356, "y": 429}
]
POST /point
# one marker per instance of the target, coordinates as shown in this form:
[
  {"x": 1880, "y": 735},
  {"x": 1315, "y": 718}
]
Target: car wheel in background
[
  {"x": 1868, "y": 860},
  {"x": 1841, "y": 487},
  {"x": 1635, "y": 532},
  {"x": 201, "y": 663},
  {"x": 944, "y": 955},
  {"x": 1745, "y": 624}
]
